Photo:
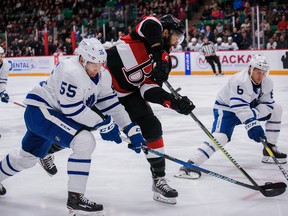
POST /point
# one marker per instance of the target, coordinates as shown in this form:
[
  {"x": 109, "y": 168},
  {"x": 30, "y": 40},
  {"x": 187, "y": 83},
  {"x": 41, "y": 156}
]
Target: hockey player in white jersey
[
  {"x": 219, "y": 45},
  {"x": 231, "y": 45},
  {"x": 4, "y": 69},
  {"x": 193, "y": 45},
  {"x": 59, "y": 111},
  {"x": 246, "y": 99}
]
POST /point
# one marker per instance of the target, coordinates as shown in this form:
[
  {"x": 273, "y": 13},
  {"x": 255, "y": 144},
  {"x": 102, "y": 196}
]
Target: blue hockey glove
[
  {"x": 109, "y": 131},
  {"x": 254, "y": 129},
  {"x": 4, "y": 97},
  {"x": 134, "y": 133}
]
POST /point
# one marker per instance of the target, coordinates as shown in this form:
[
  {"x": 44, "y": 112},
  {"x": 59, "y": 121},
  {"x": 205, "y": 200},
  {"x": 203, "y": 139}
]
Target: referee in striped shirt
[{"x": 208, "y": 50}]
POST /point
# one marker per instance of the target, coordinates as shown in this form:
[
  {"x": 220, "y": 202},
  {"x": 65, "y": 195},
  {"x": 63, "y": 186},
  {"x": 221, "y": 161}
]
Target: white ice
[{"x": 120, "y": 179}]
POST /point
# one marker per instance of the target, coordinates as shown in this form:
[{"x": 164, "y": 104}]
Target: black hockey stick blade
[
  {"x": 273, "y": 189},
  {"x": 268, "y": 190}
]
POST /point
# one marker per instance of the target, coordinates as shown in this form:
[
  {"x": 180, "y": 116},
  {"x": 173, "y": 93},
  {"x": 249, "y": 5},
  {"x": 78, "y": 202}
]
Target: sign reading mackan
[{"x": 183, "y": 63}]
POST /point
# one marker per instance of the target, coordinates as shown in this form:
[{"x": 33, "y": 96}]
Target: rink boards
[{"x": 184, "y": 63}]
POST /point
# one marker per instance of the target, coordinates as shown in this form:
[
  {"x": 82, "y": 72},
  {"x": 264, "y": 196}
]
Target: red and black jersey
[{"x": 130, "y": 60}]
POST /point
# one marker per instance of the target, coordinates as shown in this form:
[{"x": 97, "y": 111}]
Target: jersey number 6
[
  {"x": 239, "y": 90},
  {"x": 69, "y": 89}
]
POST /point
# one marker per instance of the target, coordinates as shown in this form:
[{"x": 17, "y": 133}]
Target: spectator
[
  {"x": 206, "y": 15},
  {"x": 245, "y": 41},
  {"x": 212, "y": 25},
  {"x": 237, "y": 4},
  {"x": 238, "y": 23},
  {"x": 181, "y": 14},
  {"x": 246, "y": 24},
  {"x": 282, "y": 43},
  {"x": 209, "y": 34},
  {"x": 215, "y": 13},
  {"x": 247, "y": 9},
  {"x": 201, "y": 27},
  {"x": 219, "y": 27},
  {"x": 266, "y": 28},
  {"x": 282, "y": 26},
  {"x": 213, "y": 4},
  {"x": 271, "y": 44}
]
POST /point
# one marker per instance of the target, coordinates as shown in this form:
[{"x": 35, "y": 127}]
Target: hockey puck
[{"x": 268, "y": 183}]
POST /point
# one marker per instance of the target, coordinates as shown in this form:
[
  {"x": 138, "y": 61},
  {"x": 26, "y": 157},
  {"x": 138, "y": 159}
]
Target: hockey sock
[
  {"x": 157, "y": 163},
  {"x": 208, "y": 148}
]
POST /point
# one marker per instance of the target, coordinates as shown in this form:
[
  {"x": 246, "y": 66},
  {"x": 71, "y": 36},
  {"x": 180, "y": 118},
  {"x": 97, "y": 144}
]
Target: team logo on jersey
[
  {"x": 90, "y": 101},
  {"x": 137, "y": 74}
]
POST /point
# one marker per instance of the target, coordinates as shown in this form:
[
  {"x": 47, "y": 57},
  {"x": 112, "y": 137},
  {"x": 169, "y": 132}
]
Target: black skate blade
[{"x": 273, "y": 189}]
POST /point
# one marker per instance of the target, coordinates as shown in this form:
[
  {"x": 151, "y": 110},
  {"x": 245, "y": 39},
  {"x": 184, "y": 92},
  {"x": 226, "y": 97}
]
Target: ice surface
[{"x": 120, "y": 179}]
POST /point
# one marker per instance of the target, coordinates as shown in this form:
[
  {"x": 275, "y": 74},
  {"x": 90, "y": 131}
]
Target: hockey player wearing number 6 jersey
[
  {"x": 59, "y": 111},
  {"x": 246, "y": 99}
]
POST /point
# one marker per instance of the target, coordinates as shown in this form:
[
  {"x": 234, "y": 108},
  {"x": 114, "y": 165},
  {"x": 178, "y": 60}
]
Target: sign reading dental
[{"x": 22, "y": 64}]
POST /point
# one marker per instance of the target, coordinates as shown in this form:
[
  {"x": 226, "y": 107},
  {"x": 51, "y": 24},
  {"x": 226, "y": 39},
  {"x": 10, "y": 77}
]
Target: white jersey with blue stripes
[
  {"x": 4, "y": 70},
  {"x": 239, "y": 95},
  {"x": 71, "y": 91}
]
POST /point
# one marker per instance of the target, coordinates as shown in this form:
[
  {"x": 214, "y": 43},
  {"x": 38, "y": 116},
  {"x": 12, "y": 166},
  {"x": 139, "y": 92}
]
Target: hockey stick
[
  {"x": 268, "y": 190},
  {"x": 19, "y": 104},
  {"x": 264, "y": 142},
  {"x": 212, "y": 138}
]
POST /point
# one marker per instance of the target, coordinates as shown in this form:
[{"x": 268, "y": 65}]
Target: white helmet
[
  {"x": 91, "y": 50},
  {"x": 1, "y": 50},
  {"x": 260, "y": 62}
]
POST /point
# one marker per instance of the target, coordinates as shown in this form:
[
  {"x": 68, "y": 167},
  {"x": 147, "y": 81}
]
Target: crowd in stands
[
  {"x": 217, "y": 24},
  {"x": 25, "y": 22}
]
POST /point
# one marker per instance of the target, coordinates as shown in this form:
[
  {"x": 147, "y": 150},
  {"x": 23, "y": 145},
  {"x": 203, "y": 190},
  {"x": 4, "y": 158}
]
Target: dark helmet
[{"x": 174, "y": 25}]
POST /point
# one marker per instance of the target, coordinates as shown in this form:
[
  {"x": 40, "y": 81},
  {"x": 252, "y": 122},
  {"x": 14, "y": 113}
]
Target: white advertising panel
[{"x": 188, "y": 63}]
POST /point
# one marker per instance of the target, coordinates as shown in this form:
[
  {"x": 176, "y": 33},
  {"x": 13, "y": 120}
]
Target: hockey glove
[
  {"x": 134, "y": 133},
  {"x": 109, "y": 131},
  {"x": 162, "y": 65},
  {"x": 182, "y": 105},
  {"x": 254, "y": 129},
  {"x": 4, "y": 97}
]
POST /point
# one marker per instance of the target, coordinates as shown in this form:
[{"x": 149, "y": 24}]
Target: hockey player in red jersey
[{"x": 139, "y": 64}]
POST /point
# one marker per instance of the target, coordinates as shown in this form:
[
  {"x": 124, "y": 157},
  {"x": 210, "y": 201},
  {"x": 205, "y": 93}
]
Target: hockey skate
[
  {"x": 281, "y": 157},
  {"x": 2, "y": 190},
  {"x": 163, "y": 192},
  {"x": 77, "y": 204},
  {"x": 188, "y": 173},
  {"x": 48, "y": 164}
]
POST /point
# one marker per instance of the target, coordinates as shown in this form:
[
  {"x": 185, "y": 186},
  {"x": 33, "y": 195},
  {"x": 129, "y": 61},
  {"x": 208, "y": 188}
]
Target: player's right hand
[
  {"x": 4, "y": 97},
  {"x": 182, "y": 105},
  {"x": 109, "y": 131},
  {"x": 254, "y": 129},
  {"x": 134, "y": 133}
]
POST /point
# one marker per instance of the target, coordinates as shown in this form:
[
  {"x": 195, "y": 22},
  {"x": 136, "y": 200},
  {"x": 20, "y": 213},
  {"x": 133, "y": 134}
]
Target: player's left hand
[
  {"x": 4, "y": 97},
  {"x": 134, "y": 133},
  {"x": 162, "y": 68},
  {"x": 109, "y": 131}
]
